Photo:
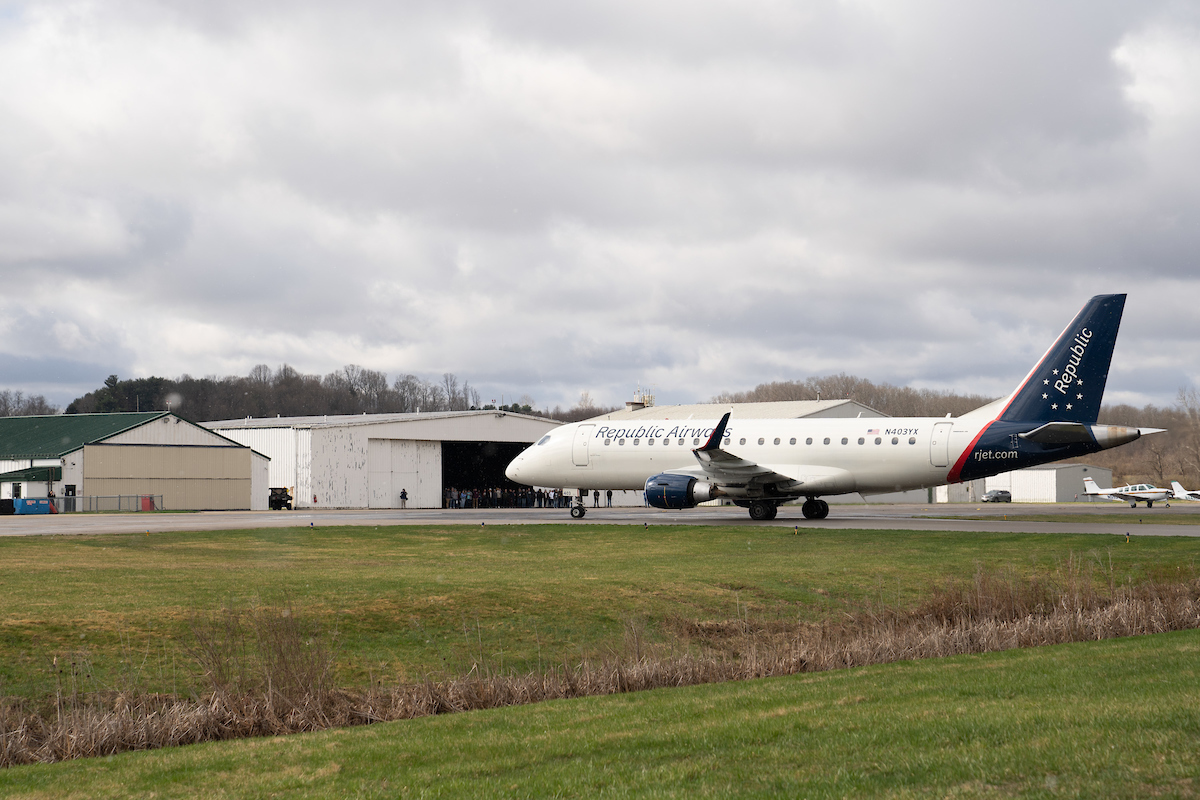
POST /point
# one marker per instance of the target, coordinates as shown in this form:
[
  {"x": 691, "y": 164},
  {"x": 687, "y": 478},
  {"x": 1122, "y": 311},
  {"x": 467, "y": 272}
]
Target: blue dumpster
[{"x": 33, "y": 505}]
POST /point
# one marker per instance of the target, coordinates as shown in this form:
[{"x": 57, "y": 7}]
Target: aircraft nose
[{"x": 513, "y": 471}]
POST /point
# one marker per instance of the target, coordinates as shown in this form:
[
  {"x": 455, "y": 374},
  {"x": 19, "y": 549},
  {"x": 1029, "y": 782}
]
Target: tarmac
[{"x": 976, "y": 518}]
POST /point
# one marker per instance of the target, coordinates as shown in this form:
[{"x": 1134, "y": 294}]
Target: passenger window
[
  {"x": 760, "y": 440},
  {"x": 726, "y": 442},
  {"x": 809, "y": 441},
  {"x": 696, "y": 442},
  {"x": 878, "y": 440},
  {"x": 636, "y": 442},
  {"x": 912, "y": 440},
  {"x": 861, "y": 440},
  {"x": 620, "y": 441},
  {"x": 845, "y": 440},
  {"x": 681, "y": 442},
  {"x": 793, "y": 440},
  {"x": 741, "y": 441},
  {"x": 649, "y": 442},
  {"x": 776, "y": 440},
  {"x": 826, "y": 440},
  {"x": 895, "y": 440},
  {"x": 607, "y": 442}
]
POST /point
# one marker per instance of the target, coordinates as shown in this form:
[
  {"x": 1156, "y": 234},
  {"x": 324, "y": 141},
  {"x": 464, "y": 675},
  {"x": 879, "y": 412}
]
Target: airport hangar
[
  {"x": 95, "y": 458},
  {"x": 366, "y": 460}
]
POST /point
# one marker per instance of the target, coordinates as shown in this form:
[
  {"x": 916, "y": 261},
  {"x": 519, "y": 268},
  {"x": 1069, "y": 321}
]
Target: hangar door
[{"x": 408, "y": 464}]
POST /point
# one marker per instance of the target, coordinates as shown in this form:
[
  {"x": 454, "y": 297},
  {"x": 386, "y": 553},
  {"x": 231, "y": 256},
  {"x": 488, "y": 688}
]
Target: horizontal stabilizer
[{"x": 1059, "y": 433}]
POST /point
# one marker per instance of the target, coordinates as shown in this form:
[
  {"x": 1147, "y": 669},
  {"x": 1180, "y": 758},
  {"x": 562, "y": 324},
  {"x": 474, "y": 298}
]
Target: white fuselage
[
  {"x": 834, "y": 456},
  {"x": 1135, "y": 493}
]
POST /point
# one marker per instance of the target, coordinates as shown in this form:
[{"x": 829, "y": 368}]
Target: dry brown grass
[{"x": 270, "y": 675}]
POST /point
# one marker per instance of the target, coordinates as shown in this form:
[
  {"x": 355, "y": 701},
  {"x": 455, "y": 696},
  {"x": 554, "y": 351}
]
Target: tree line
[
  {"x": 18, "y": 404},
  {"x": 286, "y": 392}
]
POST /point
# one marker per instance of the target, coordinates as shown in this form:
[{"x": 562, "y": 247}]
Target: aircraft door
[
  {"x": 939, "y": 445},
  {"x": 579, "y": 448}
]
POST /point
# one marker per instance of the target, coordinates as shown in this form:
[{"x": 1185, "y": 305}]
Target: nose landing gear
[{"x": 577, "y": 511}]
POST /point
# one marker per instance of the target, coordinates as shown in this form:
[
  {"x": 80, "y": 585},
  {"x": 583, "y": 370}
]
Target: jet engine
[{"x": 678, "y": 491}]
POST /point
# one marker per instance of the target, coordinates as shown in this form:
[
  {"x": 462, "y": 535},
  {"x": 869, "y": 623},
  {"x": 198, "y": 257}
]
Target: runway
[{"x": 923, "y": 517}]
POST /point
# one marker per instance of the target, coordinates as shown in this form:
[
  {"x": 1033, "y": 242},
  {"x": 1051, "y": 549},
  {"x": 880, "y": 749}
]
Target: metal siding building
[
  {"x": 151, "y": 453},
  {"x": 365, "y": 460},
  {"x": 1048, "y": 483}
]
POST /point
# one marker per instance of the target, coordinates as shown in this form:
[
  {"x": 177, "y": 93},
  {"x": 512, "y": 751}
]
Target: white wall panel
[
  {"x": 399, "y": 464},
  {"x": 339, "y": 467}
]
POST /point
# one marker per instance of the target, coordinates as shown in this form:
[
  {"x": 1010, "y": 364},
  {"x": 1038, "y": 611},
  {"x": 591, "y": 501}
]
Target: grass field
[
  {"x": 1119, "y": 718},
  {"x": 1128, "y": 517},
  {"x": 406, "y": 602}
]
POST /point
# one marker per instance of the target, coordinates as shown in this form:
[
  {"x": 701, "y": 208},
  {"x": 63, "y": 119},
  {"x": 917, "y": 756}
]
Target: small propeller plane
[
  {"x": 1182, "y": 493},
  {"x": 1132, "y": 494}
]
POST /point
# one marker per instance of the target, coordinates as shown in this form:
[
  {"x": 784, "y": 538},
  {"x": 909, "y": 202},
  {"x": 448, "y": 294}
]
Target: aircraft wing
[
  {"x": 731, "y": 471},
  {"x": 726, "y": 470}
]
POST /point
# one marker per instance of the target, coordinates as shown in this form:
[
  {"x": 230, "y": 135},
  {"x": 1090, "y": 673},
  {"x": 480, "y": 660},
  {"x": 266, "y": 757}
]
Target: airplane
[
  {"x": 760, "y": 463},
  {"x": 1182, "y": 493},
  {"x": 1133, "y": 494}
]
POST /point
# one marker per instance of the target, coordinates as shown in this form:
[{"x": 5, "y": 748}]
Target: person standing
[
  {"x": 404, "y": 498},
  {"x": 610, "y": 498},
  {"x": 596, "y": 499}
]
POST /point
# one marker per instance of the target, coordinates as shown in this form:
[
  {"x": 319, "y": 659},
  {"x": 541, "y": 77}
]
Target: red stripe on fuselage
[{"x": 953, "y": 475}]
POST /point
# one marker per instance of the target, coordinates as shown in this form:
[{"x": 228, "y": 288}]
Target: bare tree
[{"x": 17, "y": 404}]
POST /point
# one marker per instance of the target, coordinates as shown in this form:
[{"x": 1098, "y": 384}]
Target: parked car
[{"x": 997, "y": 496}]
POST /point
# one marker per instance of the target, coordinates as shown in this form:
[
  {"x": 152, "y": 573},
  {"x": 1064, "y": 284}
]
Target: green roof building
[{"x": 152, "y": 453}]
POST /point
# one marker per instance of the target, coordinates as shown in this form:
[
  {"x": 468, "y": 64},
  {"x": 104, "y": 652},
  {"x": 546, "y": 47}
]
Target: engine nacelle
[{"x": 678, "y": 491}]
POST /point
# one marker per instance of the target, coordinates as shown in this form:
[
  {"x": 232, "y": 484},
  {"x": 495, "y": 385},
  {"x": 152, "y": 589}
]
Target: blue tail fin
[{"x": 1068, "y": 383}]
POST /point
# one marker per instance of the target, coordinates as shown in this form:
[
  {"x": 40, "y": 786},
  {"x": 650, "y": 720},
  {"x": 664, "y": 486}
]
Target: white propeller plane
[
  {"x": 761, "y": 463},
  {"x": 1182, "y": 493},
  {"x": 1132, "y": 494}
]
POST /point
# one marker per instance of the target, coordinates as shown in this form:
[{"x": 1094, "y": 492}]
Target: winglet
[{"x": 714, "y": 441}]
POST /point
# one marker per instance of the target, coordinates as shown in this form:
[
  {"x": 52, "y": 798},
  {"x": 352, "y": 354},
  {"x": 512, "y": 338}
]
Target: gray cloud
[{"x": 549, "y": 198}]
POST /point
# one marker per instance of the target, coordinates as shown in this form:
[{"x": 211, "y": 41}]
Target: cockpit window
[{"x": 544, "y": 439}]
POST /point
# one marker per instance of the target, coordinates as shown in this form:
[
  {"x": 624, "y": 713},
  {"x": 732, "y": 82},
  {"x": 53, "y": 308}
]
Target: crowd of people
[{"x": 499, "y": 497}]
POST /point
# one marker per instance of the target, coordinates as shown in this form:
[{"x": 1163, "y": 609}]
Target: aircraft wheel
[
  {"x": 811, "y": 508},
  {"x": 774, "y": 511},
  {"x": 1133, "y": 505},
  {"x": 577, "y": 512},
  {"x": 1149, "y": 504},
  {"x": 761, "y": 510},
  {"x": 823, "y": 511}
]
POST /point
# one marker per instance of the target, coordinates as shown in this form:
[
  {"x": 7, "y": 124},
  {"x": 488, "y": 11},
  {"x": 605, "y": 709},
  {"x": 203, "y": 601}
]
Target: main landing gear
[
  {"x": 577, "y": 511},
  {"x": 815, "y": 508},
  {"x": 762, "y": 510}
]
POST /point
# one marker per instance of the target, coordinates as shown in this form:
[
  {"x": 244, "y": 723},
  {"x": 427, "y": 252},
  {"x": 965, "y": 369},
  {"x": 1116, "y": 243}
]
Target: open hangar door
[{"x": 479, "y": 465}]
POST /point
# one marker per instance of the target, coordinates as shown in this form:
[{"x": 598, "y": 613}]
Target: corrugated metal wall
[
  {"x": 290, "y": 451},
  {"x": 395, "y": 464},
  {"x": 204, "y": 478}
]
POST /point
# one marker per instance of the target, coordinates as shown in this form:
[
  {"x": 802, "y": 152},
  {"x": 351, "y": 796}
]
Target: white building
[
  {"x": 1048, "y": 483},
  {"x": 366, "y": 460}
]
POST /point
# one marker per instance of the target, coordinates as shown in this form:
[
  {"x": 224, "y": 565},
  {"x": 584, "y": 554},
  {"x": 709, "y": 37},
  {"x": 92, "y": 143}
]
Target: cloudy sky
[{"x": 546, "y": 197}]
